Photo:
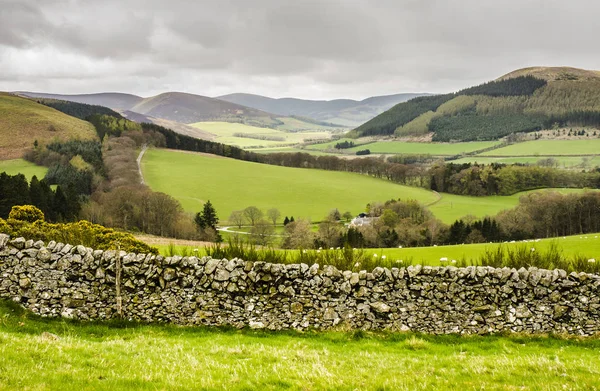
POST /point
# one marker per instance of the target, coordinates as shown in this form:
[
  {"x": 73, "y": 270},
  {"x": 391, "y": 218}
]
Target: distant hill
[
  {"x": 113, "y": 100},
  {"x": 190, "y": 108},
  {"x": 345, "y": 112},
  {"x": 175, "y": 126},
  {"x": 22, "y": 121},
  {"x": 525, "y": 100}
]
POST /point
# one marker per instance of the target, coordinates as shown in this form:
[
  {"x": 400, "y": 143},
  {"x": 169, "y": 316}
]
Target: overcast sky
[{"x": 309, "y": 49}]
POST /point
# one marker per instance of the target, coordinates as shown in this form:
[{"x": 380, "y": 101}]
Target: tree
[
  {"x": 348, "y": 216},
  {"x": 274, "y": 215},
  {"x": 237, "y": 218},
  {"x": 329, "y": 232},
  {"x": 207, "y": 218},
  {"x": 253, "y": 214},
  {"x": 298, "y": 235},
  {"x": 286, "y": 221},
  {"x": 262, "y": 232},
  {"x": 335, "y": 215}
]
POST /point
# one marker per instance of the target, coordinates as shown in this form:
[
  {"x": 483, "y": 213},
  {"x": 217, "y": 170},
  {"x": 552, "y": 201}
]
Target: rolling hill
[
  {"x": 22, "y": 121},
  {"x": 525, "y": 100},
  {"x": 114, "y": 100},
  {"x": 345, "y": 112},
  {"x": 190, "y": 108}
]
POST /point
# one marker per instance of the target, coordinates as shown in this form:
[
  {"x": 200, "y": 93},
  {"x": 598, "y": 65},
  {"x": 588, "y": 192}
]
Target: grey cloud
[{"x": 323, "y": 49}]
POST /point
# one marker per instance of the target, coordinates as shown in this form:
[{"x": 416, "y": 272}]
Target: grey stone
[
  {"x": 380, "y": 307},
  {"x": 18, "y": 243}
]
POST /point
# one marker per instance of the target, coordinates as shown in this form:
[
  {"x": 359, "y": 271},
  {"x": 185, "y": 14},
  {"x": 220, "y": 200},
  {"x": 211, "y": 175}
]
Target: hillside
[
  {"x": 345, "y": 112},
  {"x": 22, "y": 121},
  {"x": 190, "y": 108},
  {"x": 526, "y": 100},
  {"x": 178, "y": 127},
  {"x": 114, "y": 100}
]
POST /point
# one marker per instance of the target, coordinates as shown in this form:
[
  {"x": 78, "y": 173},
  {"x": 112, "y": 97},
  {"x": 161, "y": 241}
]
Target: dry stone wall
[{"x": 58, "y": 279}]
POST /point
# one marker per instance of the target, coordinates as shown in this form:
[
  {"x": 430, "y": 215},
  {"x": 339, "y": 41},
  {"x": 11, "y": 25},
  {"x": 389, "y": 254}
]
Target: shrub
[
  {"x": 27, "y": 213},
  {"x": 81, "y": 232}
]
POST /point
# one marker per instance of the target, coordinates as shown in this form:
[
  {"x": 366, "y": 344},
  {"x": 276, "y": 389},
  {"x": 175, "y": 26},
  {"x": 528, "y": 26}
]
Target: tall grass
[
  {"x": 529, "y": 256},
  {"x": 343, "y": 258}
]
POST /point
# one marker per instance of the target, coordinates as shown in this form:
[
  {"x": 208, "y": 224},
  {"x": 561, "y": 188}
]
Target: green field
[
  {"x": 43, "y": 354},
  {"x": 563, "y": 161},
  {"x": 587, "y": 245},
  {"x": 21, "y": 166},
  {"x": 451, "y": 206},
  {"x": 549, "y": 148},
  {"x": 291, "y": 150},
  {"x": 226, "y": 134},
  {"x": 232, "y": 185},
  {"x": 401, "y": 147}
]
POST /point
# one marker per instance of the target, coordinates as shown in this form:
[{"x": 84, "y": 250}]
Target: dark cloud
[{"x": 317, "y": 49}]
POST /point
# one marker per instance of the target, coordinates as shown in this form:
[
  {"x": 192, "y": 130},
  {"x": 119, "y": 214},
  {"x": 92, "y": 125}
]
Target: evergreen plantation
[{"x": 493, "y": 110}]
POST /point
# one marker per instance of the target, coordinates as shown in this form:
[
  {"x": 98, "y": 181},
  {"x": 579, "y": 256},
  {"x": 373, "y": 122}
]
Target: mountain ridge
[{"x": 524, "y": 100}]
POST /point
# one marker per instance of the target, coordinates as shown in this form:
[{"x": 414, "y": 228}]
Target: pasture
[
  {"x": 584, "y": 162},
  {"x": 228, "y": 133},
  {"x": 233, "y": 185},
  {"x": 22, "y": 166},
  {"x": 408, "y": 148},
  {"x": 549, "y": 148},
  {"x": 452, "y": 207},
  {"x": 587, "y": 246}
]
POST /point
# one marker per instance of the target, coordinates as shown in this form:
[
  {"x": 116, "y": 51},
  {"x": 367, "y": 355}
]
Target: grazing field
[
  {"x": 451, "y": 207},
  {"x": 435, "y": 149},
  {"x": 401, "y": 147},
  {"x": 228, "y": 134},
  {"x": 587, "y": 245},
  {"x": 291, "y": 150},
  {"x": 21, "y": 166},
  {"x": 42, "y": 354},
  {"x": 562, "y": 161},
  {"x": 232, "y": 185},
  {"x": 549, "y": 148},
  {"x": 22, "y": 121}
]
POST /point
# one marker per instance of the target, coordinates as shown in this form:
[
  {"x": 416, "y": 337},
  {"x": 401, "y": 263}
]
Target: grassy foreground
[{"x": 40, "y": 354}]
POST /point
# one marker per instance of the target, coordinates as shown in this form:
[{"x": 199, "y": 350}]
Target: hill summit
[{"x": 525, "y": 100}]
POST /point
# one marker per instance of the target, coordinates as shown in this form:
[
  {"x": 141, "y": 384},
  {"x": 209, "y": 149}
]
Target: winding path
[{"x": 139, "y": 163}]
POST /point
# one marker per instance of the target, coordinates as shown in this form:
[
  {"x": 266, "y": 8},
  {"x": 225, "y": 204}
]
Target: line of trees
[{"x": 57, "y": 205}]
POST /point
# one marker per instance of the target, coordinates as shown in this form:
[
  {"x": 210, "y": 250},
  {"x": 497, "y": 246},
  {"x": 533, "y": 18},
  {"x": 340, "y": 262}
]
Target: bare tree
[
  {"x": 253, "y": 214},
  {"x": 262, "y": 232},
  {"x": 298, "y": 235},
  {"x": 237, "y": 218},
  {"x": 274, "y": 215}
]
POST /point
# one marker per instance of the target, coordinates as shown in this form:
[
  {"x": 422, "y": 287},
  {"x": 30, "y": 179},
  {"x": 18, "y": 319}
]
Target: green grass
[
  {"x": 291, "y": 150},
  {"x": 451, "y": 206},
  {"x": 226, "y": 134},
  {"x": 548, "y": 148},
  {"x": 436, "y": 149},
  {"x": 563, "y": 161},
  {"x": 233, "y": 185},
  {"x": 401, "y": 147},
  {"x": 21, "y": 166},
  {"x": 587, "y": 245},
  {"x": 22, "y": 121},
  {"x": 42, "y": 354}
]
